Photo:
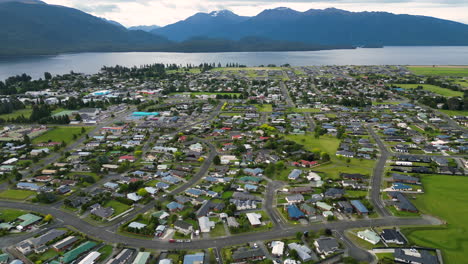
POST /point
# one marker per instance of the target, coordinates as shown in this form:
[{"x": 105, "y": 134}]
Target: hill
[
  {"x": 45, "y": 29},
  {"x": 327, "y": 27}
]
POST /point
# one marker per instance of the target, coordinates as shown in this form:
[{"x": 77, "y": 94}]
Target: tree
[
  {"x": 298, "y": 235},
  {"x": 217, "y": 160},
  {"x": 48, "y": 218},
  {"x": 325, "y": 156},
  {"x": 26, "y": 140},
  {"x": 142, "y": 192},
  {"x": 47, "y": 75}
]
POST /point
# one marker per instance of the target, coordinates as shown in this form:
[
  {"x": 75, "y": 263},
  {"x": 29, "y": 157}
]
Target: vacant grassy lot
[
  {"x": 16, "y": 194},
  {"x": 440, "y": 71},
  {"x": 25, "y": 112},
  {"x": 59, "y": 134},
  {"x": 265, "y": 108},
  {"x": 337, "y": 165},
  {"x": 9, "y": 215},
  {"x": 305, "y": 110},
  {"x": 455, "y": 113},
  {"x": 433, "y": 88},
  {"x": 118, "y": 206},
  {"x": 445, "y": 197},
  {"x": 324, "y": 143}
]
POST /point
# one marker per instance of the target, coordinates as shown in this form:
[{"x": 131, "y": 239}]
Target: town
[{"x": 220, "y": 163}]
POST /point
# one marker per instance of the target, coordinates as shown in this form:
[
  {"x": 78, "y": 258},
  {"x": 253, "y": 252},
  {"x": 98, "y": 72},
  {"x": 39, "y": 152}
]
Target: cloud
[{"x": 98, "y": 9}]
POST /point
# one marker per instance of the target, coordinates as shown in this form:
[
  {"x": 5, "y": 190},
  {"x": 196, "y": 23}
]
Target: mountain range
[
  {"x": 327, "y": 27},
  {"x": 33, "y": 27}
]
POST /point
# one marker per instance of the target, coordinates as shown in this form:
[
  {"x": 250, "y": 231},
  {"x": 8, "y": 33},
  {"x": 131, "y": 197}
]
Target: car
[{"x": 172, "y": 240}]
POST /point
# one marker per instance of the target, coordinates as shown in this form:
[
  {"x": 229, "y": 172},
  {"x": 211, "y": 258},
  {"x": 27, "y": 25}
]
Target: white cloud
[{"x": 163, "y": 12}]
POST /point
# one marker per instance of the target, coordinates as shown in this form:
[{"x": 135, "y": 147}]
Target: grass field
[
  {"x": 440, "y": 71},
  {"x": 455, "y": 113},
  {"x": 105, "y": 251},
  {"x": 337, "y": 165},
  {"x": 59, "y": 134},
  {"x": 25, "y": 112},
  {"x": 265, "y": 108},
  {"x": 16, "y": 194},
  {"x": 446, "y": 198},
  {"x": 118, "y": 206},
  {"x": 324, "y": 143},
  {"x": 218, "y": 230},
  {"x": 433, "y": 88},
  {"x": 305, "y": 110},
  {"x": 9, "y": 215}
]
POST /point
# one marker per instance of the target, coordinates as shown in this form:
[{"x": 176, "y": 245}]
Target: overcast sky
[{"x": 163, "y": 12}]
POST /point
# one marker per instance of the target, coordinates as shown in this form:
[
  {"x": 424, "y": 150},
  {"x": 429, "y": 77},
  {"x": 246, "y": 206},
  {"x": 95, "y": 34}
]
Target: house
[
  {"x": 414, "y": 256},
  {"x": 326, "y": 245},
  {"x": 345, "y": 207},
  {"x": 323, "y": 206},
  {"x": 64, "y": 243},
  {"x": 28, "y": 186},
  {"x": 369, "y": 236},
  {"x": 136, "y": 225},
  {"x": 142, "y": 258},
  {"x": 205, "y": 224},
  {"x": 293, "y": 212},
  {"x": 405, "y": 178},
  {"x": 401, "y": 187},
  {"x": 121, "y": 258},
  {"x": 183, "y": 227},
  {"x": 196, "y": 258},
  {"x": 360, "y": 208},
  {"x": 127, "y": 158},
  {"x": 197, "y": 147},
  {"x": 307, "y": 209},
  {"x": 334, "y": 193},
  {"x": 277, "y": 248},
  {"x": 294, "y": 175},
  {"x": 254, "y": 218},
  {"x": 174, "y": 206},
  {"x": 304, "y": 252},
  {"x": 296, "y": 198},
  {"x": 402, "y": 203},
  {"x": 247, "y": 255},
  {"x": 134, "y": 197},
  {"x": 103, "y": 212},
  {"x": 27, "y": 220},
  {"x": 392, "y": 236}
]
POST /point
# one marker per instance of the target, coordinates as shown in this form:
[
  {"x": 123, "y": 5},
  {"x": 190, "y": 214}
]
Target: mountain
[
  {"x": 144, "y": 28},
  {"x": 112, "y": 22},
  {"x": 200, "y": 24},
  {"x": 47, "y": 29},
  {"x": 327, "y": 27}
]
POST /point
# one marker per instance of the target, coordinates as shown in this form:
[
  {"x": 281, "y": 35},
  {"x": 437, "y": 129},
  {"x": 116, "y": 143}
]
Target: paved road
[
  {"x": 101, "y": 233},
  {"x": 270, "y": 202},
  {"x": 378, "y": 175}
]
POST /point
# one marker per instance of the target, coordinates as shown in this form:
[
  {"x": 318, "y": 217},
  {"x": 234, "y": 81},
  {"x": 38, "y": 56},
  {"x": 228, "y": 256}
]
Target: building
[
  {"x": 360, "y": 208},
  {"x": 205, "y": 224},
  {"x": 254, "y": 218},
  {"x": 369, "y": 236},
  {"x": 248, "y": 254},
  {"x": 196, "y": 258},
  {"x": 142, "y": 258},
  {"x": 277, "y": 248},
  {"x": 414, "y": 256},
  {"x": 326, "y": 245},
  {"x": 121, "y": 258},
  {"x": 392, "y": 236},
  {"x": 90, "y": 258}
]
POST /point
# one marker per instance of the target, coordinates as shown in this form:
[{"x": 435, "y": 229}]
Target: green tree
[{"x": 217, "y": 160}]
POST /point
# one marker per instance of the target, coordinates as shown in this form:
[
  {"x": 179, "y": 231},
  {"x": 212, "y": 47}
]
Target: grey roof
[
  {"x": 424, "y": 257},
  {"x": 47, "y": 237},
  {"x": 247, "y": 253}
]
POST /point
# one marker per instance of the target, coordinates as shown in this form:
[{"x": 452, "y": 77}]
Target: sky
[{"x": 164, "y": 12}]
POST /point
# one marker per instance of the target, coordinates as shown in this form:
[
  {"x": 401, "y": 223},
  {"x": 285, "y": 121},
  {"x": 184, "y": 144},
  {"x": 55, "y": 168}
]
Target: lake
[{"x": 92, "y": 62}]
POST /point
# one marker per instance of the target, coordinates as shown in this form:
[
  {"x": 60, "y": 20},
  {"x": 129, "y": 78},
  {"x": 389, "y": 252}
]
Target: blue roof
[
  {"x": 250, "y": 187},
  {"x": 400, "y": 186},
  {"x": 294, "y": 212},
  {"x": 145, "y": 114},
  {"x": 174, "y": 206},
  {"x": 28, "y": 185},
  {"x": 359, "y": 206},
  {"x": 194, "y": 258}
]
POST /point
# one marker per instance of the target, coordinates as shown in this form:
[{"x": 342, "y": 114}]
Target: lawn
[
  {"x": 446, "y": 198},
  {"x": 59, "y": 134},
  {"x": 218, "y": 230},
  {"x": 305, "y": 110},
  {"x": 440, "y": 71},
  {"x": 118, "y": 206},
  {"x": 9, "y": 215},
  {"x": 16, "y": 194},
  {"x": 264, "y": 108},
  {"x": 105, "y": 251},
  {"x": 49, "y": 254},
  {"x": 324, "y": 143},
  {"x": 454, "y": 112},
  {"x": 337, "y": 165},
  {"x": 432, "y": 88},
  {"x": 25, "y": 112}
]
